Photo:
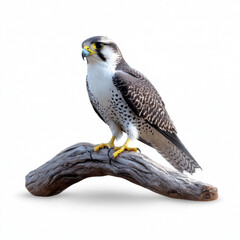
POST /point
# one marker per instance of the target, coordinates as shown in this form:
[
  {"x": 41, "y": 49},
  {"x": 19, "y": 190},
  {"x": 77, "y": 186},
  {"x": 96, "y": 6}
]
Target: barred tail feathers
[{"x": 172, "y": 149}]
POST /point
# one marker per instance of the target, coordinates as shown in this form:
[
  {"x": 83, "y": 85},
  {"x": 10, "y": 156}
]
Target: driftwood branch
[{"x": 75, "y": 164}]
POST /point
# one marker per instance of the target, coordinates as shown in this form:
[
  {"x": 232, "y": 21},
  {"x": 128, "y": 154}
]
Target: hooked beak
[{"x": 87, "y": 51}]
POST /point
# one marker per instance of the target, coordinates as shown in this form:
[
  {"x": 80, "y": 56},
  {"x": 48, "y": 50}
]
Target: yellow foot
[
  {"x": 119, "y": 150},
  {"x": 110, "y": 144}
]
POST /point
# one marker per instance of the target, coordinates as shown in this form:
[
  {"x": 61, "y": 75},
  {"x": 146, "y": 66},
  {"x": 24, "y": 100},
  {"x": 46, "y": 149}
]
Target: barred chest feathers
[{"x": 108, "y": 100}]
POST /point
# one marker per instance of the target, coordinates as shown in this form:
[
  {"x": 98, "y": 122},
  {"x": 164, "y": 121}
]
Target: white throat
[{"x": 100, "y": 75}]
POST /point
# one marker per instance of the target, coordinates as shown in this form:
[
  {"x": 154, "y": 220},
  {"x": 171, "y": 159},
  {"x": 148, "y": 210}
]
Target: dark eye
[{"x": 98, "y": 45}]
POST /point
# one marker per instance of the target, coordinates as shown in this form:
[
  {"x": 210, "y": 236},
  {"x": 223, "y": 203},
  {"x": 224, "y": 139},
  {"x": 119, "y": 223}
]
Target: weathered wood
[{"x": 75, "y": 164}]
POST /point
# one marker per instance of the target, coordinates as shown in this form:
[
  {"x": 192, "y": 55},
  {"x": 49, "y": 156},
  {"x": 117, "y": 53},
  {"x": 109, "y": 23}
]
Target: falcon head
[{"x": 101, "y": 49}]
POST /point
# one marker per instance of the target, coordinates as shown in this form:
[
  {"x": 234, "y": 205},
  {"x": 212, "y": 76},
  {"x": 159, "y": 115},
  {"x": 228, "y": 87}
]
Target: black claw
[
  {"x": 90, "y": 152},
  {"x": 109, "y": 157},
  {"x": 139, "y": 150}
]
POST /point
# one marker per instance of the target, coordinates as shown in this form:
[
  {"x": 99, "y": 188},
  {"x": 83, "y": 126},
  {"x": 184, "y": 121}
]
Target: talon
[
  {"x": 139, "y": 150},
  {"x": 90, "y": 153},
  {"x": 110, "y": 144},
  {"x": 95, "y": 149},
  {"x": 119, "y": 150},
  {"x": 109, "y": 157}
]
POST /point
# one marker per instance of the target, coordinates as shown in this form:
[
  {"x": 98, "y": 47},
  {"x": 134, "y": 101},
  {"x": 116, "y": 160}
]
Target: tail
[
  {"x": 172, "y": 149},
  {"x": 179, "y": 159}
]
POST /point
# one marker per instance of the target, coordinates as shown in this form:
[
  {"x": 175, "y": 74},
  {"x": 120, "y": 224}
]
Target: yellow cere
[{"x": 89, "y": 49}]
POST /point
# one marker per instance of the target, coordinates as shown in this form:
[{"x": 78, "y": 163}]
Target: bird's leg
[
  {"x": 110, "y": 144},
  {"x": 119, "y": 150}
]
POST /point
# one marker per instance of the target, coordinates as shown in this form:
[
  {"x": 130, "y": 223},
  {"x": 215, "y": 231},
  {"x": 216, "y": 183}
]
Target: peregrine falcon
[{"x": 125, "y": 100}]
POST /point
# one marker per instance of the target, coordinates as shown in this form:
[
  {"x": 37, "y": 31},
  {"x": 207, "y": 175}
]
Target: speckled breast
[{"x": 114, "y": 108}]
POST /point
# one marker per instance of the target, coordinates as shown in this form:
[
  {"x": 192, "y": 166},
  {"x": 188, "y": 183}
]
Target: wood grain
[{"x": 75, "y": 164}]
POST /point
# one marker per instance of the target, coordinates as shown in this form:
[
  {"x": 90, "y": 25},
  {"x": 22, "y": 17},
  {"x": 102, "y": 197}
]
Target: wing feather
[
  {"x": 143, "y": 98},
  {"x": 145, "y": 102}
]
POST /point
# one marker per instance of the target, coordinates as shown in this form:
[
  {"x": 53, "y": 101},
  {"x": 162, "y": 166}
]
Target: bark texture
[{"x": 75, "y": 164}]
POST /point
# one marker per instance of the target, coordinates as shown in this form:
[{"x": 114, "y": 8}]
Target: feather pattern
[
  {"x": 143, "y": 98},
  {"x": 125, "y": 100},
  {"x": 145, "y": 102}
]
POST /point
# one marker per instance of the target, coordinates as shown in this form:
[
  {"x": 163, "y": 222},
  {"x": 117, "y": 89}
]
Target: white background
[{"x": 190, "y": 50}]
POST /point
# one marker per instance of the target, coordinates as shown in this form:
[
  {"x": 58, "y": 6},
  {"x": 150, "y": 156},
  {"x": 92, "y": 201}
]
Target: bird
[{"x": 128, "y": 102}]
